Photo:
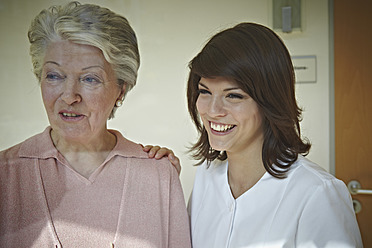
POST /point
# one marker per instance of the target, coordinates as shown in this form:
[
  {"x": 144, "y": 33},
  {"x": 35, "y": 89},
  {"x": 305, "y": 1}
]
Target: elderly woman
[{"x": 78, "y": 184}]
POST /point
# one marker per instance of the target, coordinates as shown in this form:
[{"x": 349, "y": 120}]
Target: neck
[
  {"x": 245, "y": 170},
  {"x": 85, "y": 155}
]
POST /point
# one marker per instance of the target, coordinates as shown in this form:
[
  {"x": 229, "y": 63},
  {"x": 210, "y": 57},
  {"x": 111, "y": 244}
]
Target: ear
[{"x": 122, "y": 91}]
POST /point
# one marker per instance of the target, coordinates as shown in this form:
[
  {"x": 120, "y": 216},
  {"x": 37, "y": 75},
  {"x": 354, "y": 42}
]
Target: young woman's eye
[
  {"x": 235, "y": 96},
  {"x": 203, "y": 91}
]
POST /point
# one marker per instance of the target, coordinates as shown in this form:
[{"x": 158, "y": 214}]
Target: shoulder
[
  {"x": 138, "y": 159},
  {"x": 307, "y": 178},
  {"x": 13, "y": 153},
  {"x": 325, "y": 204},
  {"x": 161, "y": 167},
  {"x": 309, "y": 172},
  {"x": 37, "y": 146},
  {"x": 10, "y": 154},
  {"x": 14, "y": 169}
]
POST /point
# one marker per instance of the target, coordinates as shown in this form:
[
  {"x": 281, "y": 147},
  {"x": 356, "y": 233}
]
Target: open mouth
[
  {"x": 221, "y": 128},
  {"x": 70, "y": 116}
]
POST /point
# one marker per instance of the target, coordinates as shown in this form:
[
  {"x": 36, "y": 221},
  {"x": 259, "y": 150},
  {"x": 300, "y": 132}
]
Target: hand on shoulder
[{"x": 158, "y": 152}]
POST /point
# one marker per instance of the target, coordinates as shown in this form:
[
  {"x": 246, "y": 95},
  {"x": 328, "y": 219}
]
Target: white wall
[{"x": 170, "y": 33}]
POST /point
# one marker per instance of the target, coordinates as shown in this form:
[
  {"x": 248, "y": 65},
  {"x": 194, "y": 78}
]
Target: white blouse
[{"x": 309, "y": 208}]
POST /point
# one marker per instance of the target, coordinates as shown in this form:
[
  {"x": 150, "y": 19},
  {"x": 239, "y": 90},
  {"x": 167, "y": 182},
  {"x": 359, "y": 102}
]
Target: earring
[{"x": 118, "y": 103}]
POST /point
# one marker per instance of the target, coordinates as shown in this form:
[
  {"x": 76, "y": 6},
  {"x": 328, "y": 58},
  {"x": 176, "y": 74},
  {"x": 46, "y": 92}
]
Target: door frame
[{"x": 332, "y": 138}]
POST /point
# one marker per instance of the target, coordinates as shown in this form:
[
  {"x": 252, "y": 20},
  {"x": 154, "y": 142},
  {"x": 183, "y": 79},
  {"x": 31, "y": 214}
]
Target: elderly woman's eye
[
  {"x": 53, "y": 76},
  {"x": 91, "y": 80}
]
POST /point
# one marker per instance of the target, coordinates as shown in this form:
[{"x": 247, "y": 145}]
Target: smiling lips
[
  {"x": 70, "y": 116},
  {"x": 221, "y": 128}
]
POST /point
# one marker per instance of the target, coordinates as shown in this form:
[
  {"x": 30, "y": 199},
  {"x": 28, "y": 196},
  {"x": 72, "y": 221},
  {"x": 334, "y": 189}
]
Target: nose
[
  {"x": 216, "y": 107},
  {"x": 70, "y": 93}
]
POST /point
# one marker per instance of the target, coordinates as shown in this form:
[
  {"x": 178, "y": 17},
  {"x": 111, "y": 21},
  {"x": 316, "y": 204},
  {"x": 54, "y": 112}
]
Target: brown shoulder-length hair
[{"x": 256, "y": 59}]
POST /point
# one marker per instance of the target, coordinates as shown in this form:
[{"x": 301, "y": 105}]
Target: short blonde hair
[{"x": 87, "y": 24}]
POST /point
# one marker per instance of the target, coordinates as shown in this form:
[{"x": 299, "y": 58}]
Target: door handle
[{"x": 355, "y": 188}]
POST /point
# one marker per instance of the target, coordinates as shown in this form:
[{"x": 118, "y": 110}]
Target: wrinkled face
[
  {"x": 79, "y": 90},
  {"x": 231, "y": 117}
]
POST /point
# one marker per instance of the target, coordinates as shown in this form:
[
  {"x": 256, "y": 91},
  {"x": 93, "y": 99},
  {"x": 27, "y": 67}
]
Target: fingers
[
  {"x": 155, "y": 151},
  {"x": 158, "y": 152},
  {"x": 175, "y": 162},
  {"x": 146, "y": 148}
]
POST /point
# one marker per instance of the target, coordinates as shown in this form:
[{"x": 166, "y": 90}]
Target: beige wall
[{"x": 170, "y": 33}]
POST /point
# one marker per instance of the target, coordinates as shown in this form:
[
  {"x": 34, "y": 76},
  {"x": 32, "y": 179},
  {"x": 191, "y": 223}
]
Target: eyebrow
[
  {"x": 227, "y": 89},
  {"x": 93, "y": 66},
  {"x": 85, "y": 68},
  {"x": 51, "y": 62}
]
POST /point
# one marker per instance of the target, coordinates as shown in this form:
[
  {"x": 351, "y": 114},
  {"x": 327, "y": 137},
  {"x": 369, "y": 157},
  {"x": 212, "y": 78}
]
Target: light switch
[
  {"x": 286, "y": 15},
  {"x": 287, "y": 19}
]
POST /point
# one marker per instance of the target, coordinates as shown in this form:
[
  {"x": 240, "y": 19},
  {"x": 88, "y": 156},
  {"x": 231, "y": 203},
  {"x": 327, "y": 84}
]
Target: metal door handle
[{"x": 355, "y": 188}]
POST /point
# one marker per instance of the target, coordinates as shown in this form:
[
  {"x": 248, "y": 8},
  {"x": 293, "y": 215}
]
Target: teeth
[
  {"x": 69, "y": 114},
  {"x": 220, "y": 127}
]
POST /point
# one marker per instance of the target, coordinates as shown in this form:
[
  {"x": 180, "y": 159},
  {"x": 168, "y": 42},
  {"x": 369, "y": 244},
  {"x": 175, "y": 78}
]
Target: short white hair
[{"x": 87, "y": 24}]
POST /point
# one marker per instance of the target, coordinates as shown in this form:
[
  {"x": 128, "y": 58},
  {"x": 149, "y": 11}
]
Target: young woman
[{"x": 254, "y": 187}]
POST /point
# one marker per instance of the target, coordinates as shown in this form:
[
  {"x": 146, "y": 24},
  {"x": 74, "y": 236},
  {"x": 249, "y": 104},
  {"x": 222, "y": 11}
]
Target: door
[{"x": 353, "y": 102}]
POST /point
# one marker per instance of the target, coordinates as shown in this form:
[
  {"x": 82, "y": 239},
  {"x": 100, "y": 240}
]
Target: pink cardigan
[{"x": 129, "y": 201}]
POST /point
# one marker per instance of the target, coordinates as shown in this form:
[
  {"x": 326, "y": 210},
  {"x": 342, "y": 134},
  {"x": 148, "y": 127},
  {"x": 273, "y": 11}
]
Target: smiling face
[
  {"x": 79, "y": 90},
  {"x": 230, "y": 116}
]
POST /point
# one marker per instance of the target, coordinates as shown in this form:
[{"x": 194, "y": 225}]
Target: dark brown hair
[{"x": 256, "y": 59}]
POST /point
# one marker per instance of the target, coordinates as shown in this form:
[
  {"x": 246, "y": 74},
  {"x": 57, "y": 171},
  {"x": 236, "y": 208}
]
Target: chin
[
  {"x": 70, "y": 133},
  {"x": 217, "y": 147}
]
